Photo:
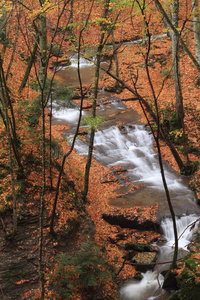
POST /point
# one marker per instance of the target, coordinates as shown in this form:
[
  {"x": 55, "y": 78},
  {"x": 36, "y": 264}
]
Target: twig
[
  {"x": 2, "y": 293},
  {"x": 124, "y": 262},
  {"x": 160, "y": 288}
]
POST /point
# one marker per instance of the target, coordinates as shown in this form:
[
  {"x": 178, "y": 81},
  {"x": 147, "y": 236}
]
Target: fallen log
[{"x": 128, "y": 221}]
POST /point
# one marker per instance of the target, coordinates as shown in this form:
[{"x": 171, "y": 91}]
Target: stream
[{"x": 131, "y": 146}]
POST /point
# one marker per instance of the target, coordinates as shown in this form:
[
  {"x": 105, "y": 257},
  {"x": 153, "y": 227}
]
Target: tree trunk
[
  {"x": 15, "y": 43},
  {"x": 176, "y": 69},
  {"x": 43, "y": 50},
  {"x": 92, "y": 134},
  {"x": 77, "y": 128},
  {"x": 30, "y": 63},
  {"x": 42, "y": 80},
  {"x": 196, "y": 26},
  {"x": 162, "y": 11},
  {"x": 115, "y": 59},
  {"x": 6, "y": 98},
  {"x": 8, "y": 131}
]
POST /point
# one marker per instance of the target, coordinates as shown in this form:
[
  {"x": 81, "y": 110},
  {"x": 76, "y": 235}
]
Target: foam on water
[
  {"x": 83, "y": 62},
  {"x": 67, "y": 114},
  {"x": 183, "y": 229},
  {"x": 148, "y": 287},
  {"x": 143, "y": 289},
  {"x": 133, "y": 148}
]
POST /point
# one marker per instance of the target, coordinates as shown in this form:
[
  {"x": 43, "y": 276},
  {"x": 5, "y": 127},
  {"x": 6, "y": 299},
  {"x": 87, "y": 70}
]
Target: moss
[{"x": 187, "y": 281}]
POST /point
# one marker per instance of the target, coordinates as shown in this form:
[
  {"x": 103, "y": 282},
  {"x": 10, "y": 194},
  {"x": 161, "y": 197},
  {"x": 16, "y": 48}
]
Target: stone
[
  {"x": 141, "y": 247},
  {"x": 144, "y": 261},
  {"x": 130, "y": 221}
]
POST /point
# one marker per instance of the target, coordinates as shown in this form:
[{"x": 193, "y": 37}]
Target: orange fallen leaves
[{"x": 22, "y": 281}]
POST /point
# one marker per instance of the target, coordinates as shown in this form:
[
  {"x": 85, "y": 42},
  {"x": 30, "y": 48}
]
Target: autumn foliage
[{"x": 74, "y": 220}]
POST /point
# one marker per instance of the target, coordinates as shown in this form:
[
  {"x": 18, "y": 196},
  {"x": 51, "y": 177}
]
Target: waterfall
[
  {"x": 61, "y": 111},
  {"x": 148, "y": 287},
  {"x": 132, "y": 147},
  {"x": 83, "y": 62},
  {"x": 143, "y": 289}
]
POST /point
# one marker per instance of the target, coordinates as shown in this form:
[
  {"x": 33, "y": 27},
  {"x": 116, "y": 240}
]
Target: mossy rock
[
  {"x": 141, "y": 247},
  {"x": 145, "y": 261},
  {"x": 189, "y": 286},
  {"x": 188, "y": 282}
]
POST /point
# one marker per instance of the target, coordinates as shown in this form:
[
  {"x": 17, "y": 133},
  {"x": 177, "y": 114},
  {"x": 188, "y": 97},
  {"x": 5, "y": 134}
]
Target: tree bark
[
  {"x": 176, "y": 68},
  {"x": 161, "y": 10},
  {"x": 92, "y": 134},
  {"x": 11, "y": 120},
  {"x": 196, "y": 26},
  {"x": 77, "y": 128},
  {"x": 42, "y": 80},
  {"x": 30, "y": 63}
]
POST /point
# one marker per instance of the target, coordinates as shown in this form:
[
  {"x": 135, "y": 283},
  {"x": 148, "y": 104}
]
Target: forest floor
[{"x": 77, "y": 223}]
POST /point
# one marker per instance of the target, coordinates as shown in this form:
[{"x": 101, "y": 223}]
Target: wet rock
[
  {"x": 129, "y": 255},
  {"x": 144, "y": 261},
  {"x": 141, "y": 247},
  {"x": 61, "y": 63},
  {"x": 129, "y": 221},
  {"x": 170, "y": 282},
  {"x": 138, "y": 276}
]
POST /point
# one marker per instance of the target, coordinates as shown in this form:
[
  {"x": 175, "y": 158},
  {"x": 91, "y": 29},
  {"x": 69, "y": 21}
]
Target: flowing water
[
  {"x": 87, "y": 70},
  {"x": 131, "y": 146},
  {"x": 148, "y": 287}
]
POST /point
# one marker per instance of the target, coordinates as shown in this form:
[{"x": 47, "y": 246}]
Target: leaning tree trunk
[
  {"x": 30, "y": 63},
  {"x": 41, "y": 80},
  {"x": 176, "y": 70},
  {"x": 92, "y": 134},
  {"x": 115, "y": 59},
  {"x": 77, "y": 127},
  {"x": 196, "y": 26},
  {"x": 7, "y": 123},
  {"x": 187, "y": 50}
]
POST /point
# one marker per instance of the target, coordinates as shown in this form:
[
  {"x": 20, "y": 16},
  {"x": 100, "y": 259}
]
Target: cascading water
[
  {"x": 132, "y": 147},
  {"x": 87, "y": 70},
  {"x": 148, "y": 287},
  {"x": 59, "y": 112},
  {"x": 83, "y": 62}
]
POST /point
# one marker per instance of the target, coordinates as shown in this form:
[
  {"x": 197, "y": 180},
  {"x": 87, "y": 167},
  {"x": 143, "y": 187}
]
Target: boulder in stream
[
  {"x": 130, "y": 221},
  {"x": 144, "y": 261},
  {"x": 141, "y": 247},
  {"x": 61, "y": 63}
]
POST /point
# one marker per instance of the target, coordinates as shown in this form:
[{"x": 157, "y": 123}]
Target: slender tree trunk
[
  {"x": 92, "y": 134},
  {"x": 77, "y": 127},
  {"x": 50, "y": 142},
  {"x": 157, "y": 137},
  {"x": 14, "y": 45},
  {"x": 7, "y": 100},
  {"x": 30, "y": 63},
  {"x": 148, "y": 108},
  {"x": 12, "y": 174},
  {"x": 43, "y": 49},
  {"x": 176, "y": 68},
  {"x": 41, "y": 215},
  {"x": 6, "y": 24},
  {"x": 115, "y": 58},
  {"x": 162, "y": 11},
  {"x": 196, "y": 26},
  {"x": 42, "y": 80}
]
